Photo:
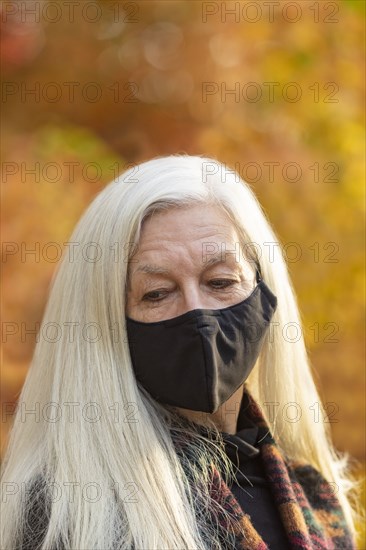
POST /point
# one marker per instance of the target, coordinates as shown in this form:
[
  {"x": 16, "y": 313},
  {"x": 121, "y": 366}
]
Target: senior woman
[{"x": 155, "y": 410}]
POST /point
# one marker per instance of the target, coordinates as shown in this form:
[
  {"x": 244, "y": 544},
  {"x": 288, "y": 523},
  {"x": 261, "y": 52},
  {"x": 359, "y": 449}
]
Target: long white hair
[{"x": 100, "y": 446}]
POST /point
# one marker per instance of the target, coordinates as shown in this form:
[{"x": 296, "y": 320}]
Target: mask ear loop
[{"x": 258, "y": 274}]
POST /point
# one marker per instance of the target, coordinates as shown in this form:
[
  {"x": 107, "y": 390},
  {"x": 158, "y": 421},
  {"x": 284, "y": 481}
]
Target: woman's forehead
[
  {"x": 198, "y": 235},
  {"x": 188, "y": 224}
]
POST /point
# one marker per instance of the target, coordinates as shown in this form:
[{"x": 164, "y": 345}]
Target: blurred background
[{"x": 272, "y": 89}]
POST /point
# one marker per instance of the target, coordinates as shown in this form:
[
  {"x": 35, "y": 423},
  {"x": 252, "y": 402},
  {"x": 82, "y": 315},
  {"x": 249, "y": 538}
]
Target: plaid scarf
[{"x": 310, "y": 511}]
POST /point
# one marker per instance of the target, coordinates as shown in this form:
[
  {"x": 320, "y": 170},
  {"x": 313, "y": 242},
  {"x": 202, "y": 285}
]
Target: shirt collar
[{"x": 243, "y": 444}]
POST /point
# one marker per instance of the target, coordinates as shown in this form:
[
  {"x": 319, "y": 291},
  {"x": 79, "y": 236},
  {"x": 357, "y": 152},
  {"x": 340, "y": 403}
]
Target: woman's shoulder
[
  {"x": 319, "y": 491},
  {"x": 321, "y": 495}
]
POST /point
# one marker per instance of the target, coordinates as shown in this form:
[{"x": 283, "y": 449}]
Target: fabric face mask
[{"x": 200, "y": 358}]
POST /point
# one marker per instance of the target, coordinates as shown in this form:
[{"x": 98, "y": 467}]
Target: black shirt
[{"x": 253, "y": 490}]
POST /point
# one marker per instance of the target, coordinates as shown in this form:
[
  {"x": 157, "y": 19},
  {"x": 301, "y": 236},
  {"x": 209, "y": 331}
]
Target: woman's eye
[
  {"x": 158, "y": 295},
  {"x": 152, "y": 296},
  {"x": 222, "y": 283}
]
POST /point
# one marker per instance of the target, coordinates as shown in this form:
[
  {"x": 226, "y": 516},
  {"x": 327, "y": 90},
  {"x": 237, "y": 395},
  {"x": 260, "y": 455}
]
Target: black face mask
[{"x": 200, "y": 358}]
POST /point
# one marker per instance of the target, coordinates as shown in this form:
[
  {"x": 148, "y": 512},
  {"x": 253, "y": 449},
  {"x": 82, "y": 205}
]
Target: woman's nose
[{"x": 194, "y": 298}]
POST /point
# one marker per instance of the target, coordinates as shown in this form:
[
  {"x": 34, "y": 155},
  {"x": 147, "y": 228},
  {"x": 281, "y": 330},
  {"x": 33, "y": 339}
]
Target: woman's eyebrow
[
  {"x": 155, "y": 269},
  {"x": 152, "y": 269},
  {"x": 221, "y": 259}
]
